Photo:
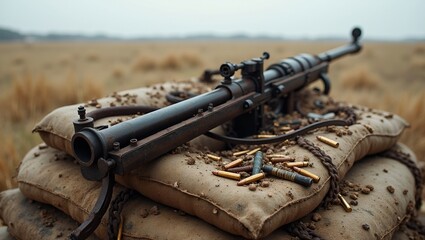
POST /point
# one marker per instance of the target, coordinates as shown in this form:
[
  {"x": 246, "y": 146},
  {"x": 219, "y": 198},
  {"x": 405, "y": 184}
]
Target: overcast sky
[{"x": 382, "y": 19}]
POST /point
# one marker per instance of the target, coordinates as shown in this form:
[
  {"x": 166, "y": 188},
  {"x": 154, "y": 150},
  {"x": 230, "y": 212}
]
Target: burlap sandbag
[
  {"x": 27, "y": 219},
  {"x": 382, "y": 194},
  {"x": 172, "y": 181},
  {"x": 47, "y": 175}
]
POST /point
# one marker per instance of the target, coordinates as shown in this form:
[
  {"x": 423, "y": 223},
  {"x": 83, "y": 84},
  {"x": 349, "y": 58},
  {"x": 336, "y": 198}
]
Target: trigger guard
[{"x": 326, "y": 83}]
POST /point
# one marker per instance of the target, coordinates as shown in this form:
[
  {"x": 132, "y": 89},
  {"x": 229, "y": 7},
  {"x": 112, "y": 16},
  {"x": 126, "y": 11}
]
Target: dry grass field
[{"x": 38, "y": 77}]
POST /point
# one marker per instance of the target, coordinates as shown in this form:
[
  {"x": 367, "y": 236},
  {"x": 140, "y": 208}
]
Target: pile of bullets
[
  {"x": 258, "y": 169},
  {"x": 294, "y": 171}
]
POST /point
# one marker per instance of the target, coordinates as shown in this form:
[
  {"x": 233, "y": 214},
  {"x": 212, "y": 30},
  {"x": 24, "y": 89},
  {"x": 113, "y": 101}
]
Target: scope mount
[{"x": 252, "y": 68}]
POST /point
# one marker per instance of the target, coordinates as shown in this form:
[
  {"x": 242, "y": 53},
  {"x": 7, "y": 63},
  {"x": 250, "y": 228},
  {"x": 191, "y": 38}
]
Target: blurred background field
[{"x": 36, "y": 78}]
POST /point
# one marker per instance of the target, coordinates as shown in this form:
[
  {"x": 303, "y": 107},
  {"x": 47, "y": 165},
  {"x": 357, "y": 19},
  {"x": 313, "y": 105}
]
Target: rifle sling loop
[
  {"x": 119, "y": 111},
  {"x": 350, "y": 120}
]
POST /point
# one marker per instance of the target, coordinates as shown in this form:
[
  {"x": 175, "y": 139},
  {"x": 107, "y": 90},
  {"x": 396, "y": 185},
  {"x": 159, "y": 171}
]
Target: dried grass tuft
[
  {"x": 9, "y": 159},
  {"x": 144, "y": 63},
  {"x": 118, "y": 72},
  {"x": 412, "y": 108},
  {"x": 30, "y": 96},
  {"x": 420, "y": 49},
  {"x": 191, "y": 60},
  {"x": 360, "y": 78},
  {"x": 417, "y": 63},
  {"x": 93, "y": 57},
  {"x": 171, "y": 62}
]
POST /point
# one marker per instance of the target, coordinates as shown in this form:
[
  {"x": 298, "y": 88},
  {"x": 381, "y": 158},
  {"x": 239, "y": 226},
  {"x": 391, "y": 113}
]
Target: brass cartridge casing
[
  {"x": 287, "y": 175},
  {"x": 251, "y": 179},
  {"x": 290, "y": 131},
  {"x": 296, "y": 164},
  {"x": 276, "y": 155},
  {"x": 241, "y": 169},
  {"x": 266, "y": 135},
  {"x": 237, "y": 154},
  {"x": 328, "y": 141},
  {"x": 307, "y": 174},
  {"x": 258, "y": 163},
  {"x": 282, "y": 159},
  {"x": 119, "y": 237},
  {"x": 253, "y": 151},
  {"x": 235, "y": 163},
  {"x": 285, "y": 128},
  {"x": 230, "y": 175},
  {"x": 214, "y": 157},
  {"x": 344, "y": 203}
]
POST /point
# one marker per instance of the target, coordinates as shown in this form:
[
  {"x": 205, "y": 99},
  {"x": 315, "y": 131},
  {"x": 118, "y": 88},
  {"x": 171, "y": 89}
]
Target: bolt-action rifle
[{"x": 104, "y": 152}]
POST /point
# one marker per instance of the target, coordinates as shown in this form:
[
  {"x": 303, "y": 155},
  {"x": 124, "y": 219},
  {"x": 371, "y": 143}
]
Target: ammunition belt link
[
  {"x": 326, "y": 160},
  {"x": 114, "y": 218}
]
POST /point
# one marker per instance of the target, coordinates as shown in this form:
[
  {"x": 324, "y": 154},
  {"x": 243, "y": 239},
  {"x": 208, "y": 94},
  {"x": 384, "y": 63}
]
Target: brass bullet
[
  {"x": 286, "y": 128},
  {"x": 119, "y": 236},
  {"x": 287, "y": 175},
  {"x": 253, "y": 151},
  {"x": 258, "y": 163},
  {"x": 344, "y": 203},
  {"x": 265, "y": 136},
  {"x": 251, "y": 179},
  {"x": 237, "y": 154},
  {"x": 328, "y": 141},
  {"x": 230, "y": 175},
  {"x": 282, "y": 159},
  {"x": 214, "y": 157},
  {"x": 290, "y": 131},
  {"x": 307, "y": 174},
  {"x": 235, "y": 163},
  {"x": 276, "y": 155},
  {"x": 296, "y": 164},
  {"x": 241, "y": 169}
]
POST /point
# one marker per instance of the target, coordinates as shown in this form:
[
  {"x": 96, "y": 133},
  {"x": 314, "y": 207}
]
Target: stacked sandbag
[
  {"x": 179, "y": 189},
  {"x": 52, "y": 177}
]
